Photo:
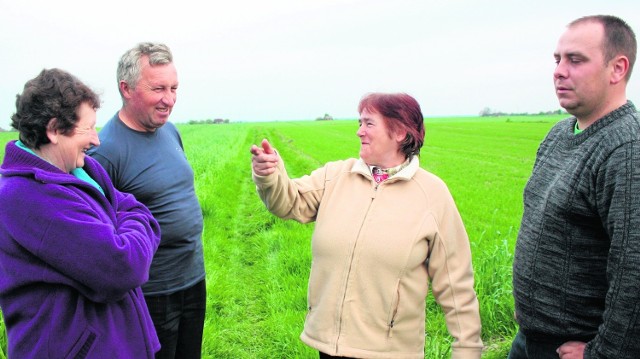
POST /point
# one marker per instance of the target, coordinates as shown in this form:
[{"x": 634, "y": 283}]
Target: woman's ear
[
  {"x": 400, "y": 136},
  {"x": 52, "y": 131}
]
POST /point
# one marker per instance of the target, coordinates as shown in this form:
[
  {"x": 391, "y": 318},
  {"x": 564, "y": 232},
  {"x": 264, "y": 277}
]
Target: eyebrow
[{"x": 571, "y": 54}]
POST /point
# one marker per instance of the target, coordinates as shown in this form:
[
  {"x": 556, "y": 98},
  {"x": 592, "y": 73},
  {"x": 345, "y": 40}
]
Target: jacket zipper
[{"x": 346, "y": 284}]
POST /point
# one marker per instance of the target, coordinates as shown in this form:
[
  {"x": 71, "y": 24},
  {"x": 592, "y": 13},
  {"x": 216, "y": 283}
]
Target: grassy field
[{"x": 258, "y": 265}]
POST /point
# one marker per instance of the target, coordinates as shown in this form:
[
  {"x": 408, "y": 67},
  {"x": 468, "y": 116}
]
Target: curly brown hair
[{"x": 53, "y": 94}]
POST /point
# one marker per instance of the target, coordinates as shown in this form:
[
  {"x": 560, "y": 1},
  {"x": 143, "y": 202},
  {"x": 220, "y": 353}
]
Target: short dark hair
[
  {"x": 401, "y": 113},
  {"x": 619, "y": 38},
  {"x": 54, "y": 93}
]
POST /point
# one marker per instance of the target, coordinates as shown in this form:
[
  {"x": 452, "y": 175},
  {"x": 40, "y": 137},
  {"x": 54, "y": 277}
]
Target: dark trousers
[
  {"x": 525, "y": 348},
  {"x": 327, "y": 356},
  {"x": 179, "y": 321}
]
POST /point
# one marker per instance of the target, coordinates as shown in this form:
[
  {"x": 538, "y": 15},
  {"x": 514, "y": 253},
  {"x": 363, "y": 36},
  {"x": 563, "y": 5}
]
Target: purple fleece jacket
[{"x": 71, "y": 263}]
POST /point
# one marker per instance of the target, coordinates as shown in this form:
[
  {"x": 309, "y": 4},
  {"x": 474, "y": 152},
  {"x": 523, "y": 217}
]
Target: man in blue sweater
[
  {"x": 143, "y": 154},
  {"x": 576, "y": 273}
]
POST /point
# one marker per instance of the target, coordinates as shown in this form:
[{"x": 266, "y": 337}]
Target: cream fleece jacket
[{"x": 375, "y": 249}]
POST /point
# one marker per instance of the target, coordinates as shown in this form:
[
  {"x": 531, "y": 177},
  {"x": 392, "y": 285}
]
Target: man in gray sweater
[{"x": 576, "y": 273}]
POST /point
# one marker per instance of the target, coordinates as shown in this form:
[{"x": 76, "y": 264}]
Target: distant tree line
[
  {"x": 208, "y": 121},
  {"x": 486, "y": 112}
]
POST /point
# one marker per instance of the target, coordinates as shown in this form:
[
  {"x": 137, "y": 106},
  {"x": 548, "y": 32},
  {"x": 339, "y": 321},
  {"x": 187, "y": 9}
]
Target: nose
[
  {"x": 95, "y": 140},
  {"x": 360, "y": 131},
  {"x": 560, "y": 70},
  {"x": 169, "y": 98}
]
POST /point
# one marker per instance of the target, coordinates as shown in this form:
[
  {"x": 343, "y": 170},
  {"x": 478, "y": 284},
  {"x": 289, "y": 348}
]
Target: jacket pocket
[
  {"x": 83, "y": 346},
  {"x": 311, "y": 292},
  {"x": 393, "y": 312}
]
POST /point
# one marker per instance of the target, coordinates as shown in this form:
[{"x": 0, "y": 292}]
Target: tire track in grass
[
  {"x": 285, "y": 258},
  {"x": 235, "y": 254},
  {"x": 233, "y": 300}
]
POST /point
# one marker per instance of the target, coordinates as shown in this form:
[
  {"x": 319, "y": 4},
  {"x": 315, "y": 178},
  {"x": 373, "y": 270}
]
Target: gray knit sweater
[{"x": 576, "y": 273}]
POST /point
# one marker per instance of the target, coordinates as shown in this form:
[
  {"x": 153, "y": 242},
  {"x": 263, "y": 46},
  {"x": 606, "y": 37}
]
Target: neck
[
  {"x": 48, "y": 155},
  {"x": 395, "y": 169},
  {"x": 127, "y": 118},
  {"x": 587, "y": 120},
  {"x": 390, "y": 163}
]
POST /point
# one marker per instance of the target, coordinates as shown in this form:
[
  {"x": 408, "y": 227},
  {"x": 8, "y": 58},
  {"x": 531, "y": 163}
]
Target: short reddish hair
[{"x": 401, "y": 113}]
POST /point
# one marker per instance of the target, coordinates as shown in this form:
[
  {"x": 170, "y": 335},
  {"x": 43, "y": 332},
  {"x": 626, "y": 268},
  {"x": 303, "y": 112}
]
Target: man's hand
[
  {"x": 264, "y": 160},
  {"x": 571, "y": 350}
]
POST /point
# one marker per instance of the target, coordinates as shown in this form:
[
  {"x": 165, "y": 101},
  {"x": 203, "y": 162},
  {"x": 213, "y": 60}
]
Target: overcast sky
[{"x": 267, "y": 60}]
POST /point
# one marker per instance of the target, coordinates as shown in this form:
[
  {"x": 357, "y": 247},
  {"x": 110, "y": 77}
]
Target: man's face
[
  {"x": 152, "y": 100},
  {"x": 582, "y": 77}
]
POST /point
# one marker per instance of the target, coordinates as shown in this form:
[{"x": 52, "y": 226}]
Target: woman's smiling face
[
  {"x": 378, "y": 147},
  {"x": 72, "y": 148}
]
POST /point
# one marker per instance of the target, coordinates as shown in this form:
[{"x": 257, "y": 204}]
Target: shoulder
[
  {"x": 115, "y": 138},
  {"x": 341, "y": 164},
  {"x": 563, "y": 126},
  {"x": 110, "y": 127},
  {"x": 627, "y": 127},
  {"x": 335, "y": 168},
  {"x": 428, "y": 180},
  {"x": 95, "y": 169},
  {"x": 108, "y": 135},
  {"x": 28, "y": 197},
  {"x": 169, "y": 133},
  {"x": 13, "y": 188},
  {"x": 170, "y": 128},
  {"x": 618, "y": 138}
]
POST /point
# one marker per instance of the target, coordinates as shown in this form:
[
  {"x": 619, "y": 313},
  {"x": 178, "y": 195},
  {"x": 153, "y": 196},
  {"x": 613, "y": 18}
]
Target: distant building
[{"x": 326, "y": 117}]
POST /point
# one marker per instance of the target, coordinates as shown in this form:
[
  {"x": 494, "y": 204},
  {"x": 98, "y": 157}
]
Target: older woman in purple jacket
[{"x": 73, "y": 250}]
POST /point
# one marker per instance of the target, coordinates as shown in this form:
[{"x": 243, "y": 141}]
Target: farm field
[{"x": 258, "y": 265}]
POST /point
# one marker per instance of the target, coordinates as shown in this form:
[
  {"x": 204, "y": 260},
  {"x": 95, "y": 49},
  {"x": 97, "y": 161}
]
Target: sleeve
[
  {"x": 451, "y": 274},
  {"x": 297, "y": 199},
  {"x": 102, "y": 259},
  {"x": 108, "y": 166},
  {"x": 618, "y": 200}
]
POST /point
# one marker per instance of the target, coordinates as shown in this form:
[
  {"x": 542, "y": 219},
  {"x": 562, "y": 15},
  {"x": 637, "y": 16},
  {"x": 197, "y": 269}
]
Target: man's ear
[
  {"x": 125, "y": 89},
  {"x": 619, "y": 68}
]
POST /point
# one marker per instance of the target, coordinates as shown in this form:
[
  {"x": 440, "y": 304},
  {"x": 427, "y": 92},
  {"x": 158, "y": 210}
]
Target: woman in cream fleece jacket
[{"x": 385, "y": 229}]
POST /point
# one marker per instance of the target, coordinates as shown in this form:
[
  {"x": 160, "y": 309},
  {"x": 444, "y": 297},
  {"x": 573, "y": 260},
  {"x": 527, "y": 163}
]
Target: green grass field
[{"x": 258, "y": 265}]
